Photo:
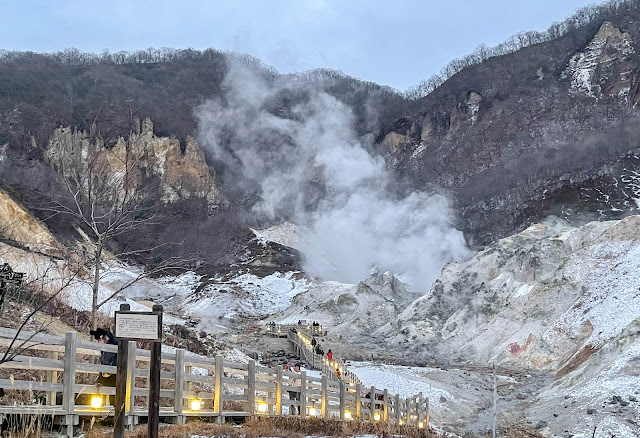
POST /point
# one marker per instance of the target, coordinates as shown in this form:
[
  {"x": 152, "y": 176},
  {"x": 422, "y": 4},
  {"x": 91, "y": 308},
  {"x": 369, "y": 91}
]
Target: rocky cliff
[
  {"x": 182, "y": 174},
  {"x": 517, "y": 132}
]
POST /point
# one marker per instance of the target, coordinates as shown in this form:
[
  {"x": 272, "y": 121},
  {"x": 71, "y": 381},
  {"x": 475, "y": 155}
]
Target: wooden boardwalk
[{"x": 191, "y": 386}]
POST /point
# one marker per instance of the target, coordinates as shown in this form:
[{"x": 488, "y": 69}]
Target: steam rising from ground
[{"x": 295, "y": 147}]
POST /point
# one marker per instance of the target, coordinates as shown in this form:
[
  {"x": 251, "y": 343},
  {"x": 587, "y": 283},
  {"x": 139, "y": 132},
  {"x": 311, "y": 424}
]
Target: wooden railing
[
  {"x": 191, "y": 386},
  {"x": 304, "y": 348},
  {"x": 281, "y": 330}
]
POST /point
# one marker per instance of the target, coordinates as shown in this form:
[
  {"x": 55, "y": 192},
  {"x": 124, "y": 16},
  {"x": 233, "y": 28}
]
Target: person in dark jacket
[{"x": 106, "y": 357}]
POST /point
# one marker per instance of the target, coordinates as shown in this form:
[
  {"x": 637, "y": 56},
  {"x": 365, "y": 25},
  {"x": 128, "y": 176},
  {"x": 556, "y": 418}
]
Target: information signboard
[{"x": 139, "y": 326}]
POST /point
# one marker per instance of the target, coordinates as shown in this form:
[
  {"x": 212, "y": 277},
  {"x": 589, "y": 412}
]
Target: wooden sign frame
[{"x": 142, "y": 321}]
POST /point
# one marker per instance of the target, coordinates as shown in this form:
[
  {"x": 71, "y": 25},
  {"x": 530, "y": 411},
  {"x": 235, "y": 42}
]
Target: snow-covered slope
[
  {"x": 351, "y": 312},
  {"x": 243, "y": 296},
  {"x": 561, "y": 300},
  {"x": 537, "y": 299}
]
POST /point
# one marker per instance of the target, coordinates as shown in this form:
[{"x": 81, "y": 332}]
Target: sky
[{"x": 392, "y": 42}]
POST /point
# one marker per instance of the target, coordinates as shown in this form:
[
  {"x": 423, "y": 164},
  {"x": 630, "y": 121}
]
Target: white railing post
[
  {"x": 397, "y": 408},
  {"x": 372, "y": 397},
  {"x": 217, "y": 396},
  {"x": 279, "y": 390},
  {"x": 342, "y": 399},
  {"x": 69, "y": 379},
  {"x": 130, "y": 400},
  {"x": 323, "y": 396},
  {"x": 303, "y": 394},
  {"x": 408, "y": 413},
  {"x": 52, "y": 377},
  {"x": 178, "y": 387},
  {"x": 251, "y": 383},
  {"x": 385, "y": 405},
  {"x": 358, "y": 400},
  {"x": 426, "y": 420}
]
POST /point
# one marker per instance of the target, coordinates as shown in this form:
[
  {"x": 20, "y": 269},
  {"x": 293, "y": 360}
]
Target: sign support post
[
  {"x": 138, "y": 326},
  {"x": 121, "y": 383},
  {"x": 154, "y": 381}
]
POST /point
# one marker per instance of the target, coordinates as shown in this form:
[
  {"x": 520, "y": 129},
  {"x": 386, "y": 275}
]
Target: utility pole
[{"x": 495, "y": 398}]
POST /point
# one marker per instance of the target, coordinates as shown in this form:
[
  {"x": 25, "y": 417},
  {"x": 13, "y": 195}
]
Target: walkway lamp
[
  {"x": 262, "y": 407},
  {"x": 196, "y": 404},
  {"x": 96, "y": 401},
  {"x": 347, "y": 415},
  {"x": 376, "y": 416}
]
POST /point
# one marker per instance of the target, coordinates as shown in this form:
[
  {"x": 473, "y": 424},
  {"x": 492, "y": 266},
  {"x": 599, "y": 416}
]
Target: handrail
[
  {"x": 303, "y": 342},
  {"x": 226, "y": 389}
]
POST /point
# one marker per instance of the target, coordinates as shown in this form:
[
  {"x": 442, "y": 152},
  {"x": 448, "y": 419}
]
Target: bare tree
[
  {"x": 31, "y": 294},
  {"x": 107, "y": 194}
]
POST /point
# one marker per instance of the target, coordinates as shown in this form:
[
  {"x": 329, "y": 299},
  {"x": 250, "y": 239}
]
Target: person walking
[{"x": 329, "y": 355}]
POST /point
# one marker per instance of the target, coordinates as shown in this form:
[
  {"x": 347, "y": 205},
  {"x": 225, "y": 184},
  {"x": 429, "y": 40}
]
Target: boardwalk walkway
[{"x": 58, "y": 373}]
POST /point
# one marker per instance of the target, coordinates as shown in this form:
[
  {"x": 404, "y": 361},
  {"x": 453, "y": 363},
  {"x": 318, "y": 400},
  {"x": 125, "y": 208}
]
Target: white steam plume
[{"x": 296, "y": 146}]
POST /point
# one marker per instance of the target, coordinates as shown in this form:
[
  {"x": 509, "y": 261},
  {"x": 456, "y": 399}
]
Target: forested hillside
[{"x": 545, "y": 123}]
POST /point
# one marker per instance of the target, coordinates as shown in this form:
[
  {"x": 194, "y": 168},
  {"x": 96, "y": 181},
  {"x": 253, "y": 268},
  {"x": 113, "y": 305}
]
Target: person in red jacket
[{"x": 329, "y": 355}]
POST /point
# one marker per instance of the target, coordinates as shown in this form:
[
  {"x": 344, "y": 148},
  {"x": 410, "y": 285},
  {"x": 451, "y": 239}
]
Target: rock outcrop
[
  {"x": 24, "y": 230},
  {"x": 606, "y": 67},
  {"x": 143, "y": 156}
]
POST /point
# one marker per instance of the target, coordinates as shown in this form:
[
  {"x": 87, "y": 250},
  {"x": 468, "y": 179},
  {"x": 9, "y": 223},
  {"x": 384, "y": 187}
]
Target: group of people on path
[{"x": 317, "y": 349}]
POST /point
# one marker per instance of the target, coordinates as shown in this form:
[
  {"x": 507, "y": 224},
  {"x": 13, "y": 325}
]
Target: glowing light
[
  {"x": 376, "y": 416},
  {"x": 421, "y": 425},
  {"x": 96, "y": 401},
  {"x": 400, "y": 422},
  {"x": 262, "y": 407},
  {"x": 196, "y": 404},
  {"x": 347, "y": 415},
  {"x": 312, "y": 412}
]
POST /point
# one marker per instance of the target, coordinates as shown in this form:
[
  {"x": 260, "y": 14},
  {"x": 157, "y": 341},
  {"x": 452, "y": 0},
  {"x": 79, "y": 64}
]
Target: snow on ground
[
  {"x": 614, "y": 300},
  {"x": 287, "y": 234},
  {"x": 402, "y": 380},
  {"x": 245, "y": 295},
  {"x": 181, "y": 284},
  {"x": 79, "y": 293}
]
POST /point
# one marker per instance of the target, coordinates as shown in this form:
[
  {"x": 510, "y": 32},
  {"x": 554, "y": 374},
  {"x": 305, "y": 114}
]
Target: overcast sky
[{"x": 391, "y": 42}]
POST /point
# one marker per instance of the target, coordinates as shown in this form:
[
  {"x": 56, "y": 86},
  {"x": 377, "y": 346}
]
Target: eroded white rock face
[
  {"x": 183, "y": 175},
  {"x": 546, "y": 298},
  {"x": 604, "y": 67}
]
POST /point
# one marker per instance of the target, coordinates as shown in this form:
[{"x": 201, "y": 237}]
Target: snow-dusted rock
[{"x": 547, "y": 298}]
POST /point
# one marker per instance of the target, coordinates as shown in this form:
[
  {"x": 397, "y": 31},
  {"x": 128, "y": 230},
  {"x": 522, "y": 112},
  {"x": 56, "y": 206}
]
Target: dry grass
[
  {"x": 278, "y": 427},
  {"x": 28, "y": 426}
]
